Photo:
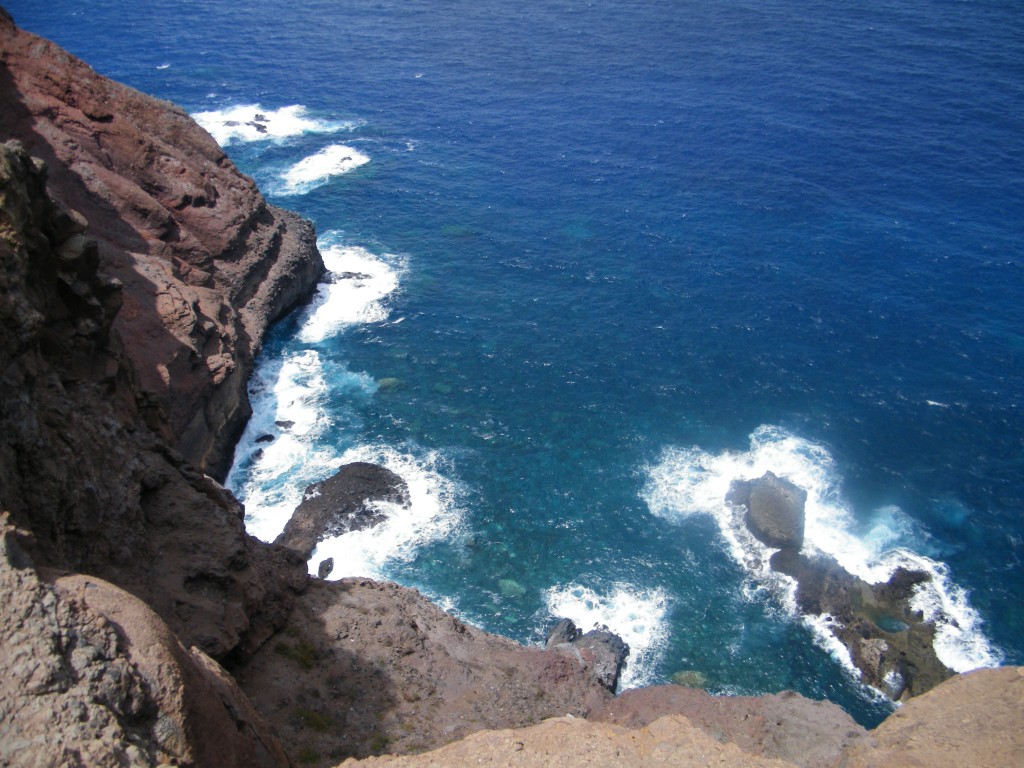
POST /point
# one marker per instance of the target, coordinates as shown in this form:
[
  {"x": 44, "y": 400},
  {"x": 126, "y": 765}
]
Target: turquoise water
[{"x": 605, "y": 258}]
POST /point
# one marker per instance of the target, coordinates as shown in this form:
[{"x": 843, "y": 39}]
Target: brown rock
[
  {"x": 975, "y": 719},
  {"x": 90, "y": 675},
  {"x": 342, "y": 503},
  {"x": 366, "y": 667},
  {"x": 668, "y": 741},
  {"x": 603, "y": 651},
  {"x": 889, "y": 642},
  {"x": 207, "y": 265},
  {"x": 810, "y": 734},
  {"x": 82, "y": 466},
  {"x": 775, "y": 509}
]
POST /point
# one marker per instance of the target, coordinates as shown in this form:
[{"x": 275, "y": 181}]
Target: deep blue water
[{"x": 640, "y": 249}]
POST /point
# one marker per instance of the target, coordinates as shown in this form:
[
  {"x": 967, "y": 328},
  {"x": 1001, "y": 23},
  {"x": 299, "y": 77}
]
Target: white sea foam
[
  {"x": 358, "y": 282},
  {"x": 317, "y": 169},
  {"x": 433, "y": 513},
  {"x": 251, "y": 122},
  {"x": 283, "y": 448},
  {"x": 689, "y": 481},
  {"x": 288, "y": 396},
  {"x": 638, "y": 616}
]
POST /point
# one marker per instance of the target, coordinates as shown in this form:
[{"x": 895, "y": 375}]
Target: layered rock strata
[
  {"x": 83, "y": 460},
  {"x": 206, "y": 263}
]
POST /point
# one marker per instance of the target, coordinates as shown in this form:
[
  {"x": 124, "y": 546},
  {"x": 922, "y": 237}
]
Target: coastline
[{"x": 357, "y": 661}]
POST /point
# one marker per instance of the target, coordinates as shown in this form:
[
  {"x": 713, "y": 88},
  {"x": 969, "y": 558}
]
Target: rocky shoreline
[{"x": 140, "y": 624}]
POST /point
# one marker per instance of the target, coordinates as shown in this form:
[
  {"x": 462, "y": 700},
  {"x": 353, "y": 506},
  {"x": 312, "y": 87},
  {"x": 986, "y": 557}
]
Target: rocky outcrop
[
  {"x": 774, "y": 509},
  {"x": 603, "y": 652},
  {"x": 809, "y": 734},
  {"x": 90, "y": 675},
  {"x": 347, "y": 501},
  {"x": 366, "y": 667},
  {"x": 669, "y": 742},
  {"x": 889, "y": 642},
  {"x": 974, "y": 719},
  {"x": 83, "y": 459},
  {"x": 205, "y": 263}
]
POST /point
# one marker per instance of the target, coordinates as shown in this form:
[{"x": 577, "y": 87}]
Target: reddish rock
[
  {"x": 206, "y": 264},
  {"x": 90, "y": 675},
  {"x": 365, "y": 667},
  {"x": 810, "y": 734}
]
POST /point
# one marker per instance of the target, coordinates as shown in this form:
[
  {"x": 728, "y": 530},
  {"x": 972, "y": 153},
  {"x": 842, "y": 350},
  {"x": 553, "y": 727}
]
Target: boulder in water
[
  {"x": 342, "y": 503},
  {"x": 775, "y": 509}
]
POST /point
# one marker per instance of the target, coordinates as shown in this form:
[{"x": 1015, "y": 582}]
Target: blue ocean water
[{"x": 593, "y": 261}]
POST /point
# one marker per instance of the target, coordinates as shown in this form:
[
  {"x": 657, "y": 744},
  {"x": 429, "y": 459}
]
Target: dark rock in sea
[
  {"x": 775, "y": 509},
  {"x": 265, "y": 439},
  {"x": 325, "y": 568},
  {"x": 889, "y": 642},
  {"x": 342, "y": 503},
  {"x": 603, "y": 651},
  {"x": 609, "y": 655},
  {"x": 564, "y": 631}
]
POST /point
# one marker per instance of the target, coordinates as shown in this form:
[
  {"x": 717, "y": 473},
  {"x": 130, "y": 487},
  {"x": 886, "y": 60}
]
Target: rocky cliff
[
  {"x": 139, "y": 623},
  {"x": 206, "y": 264}
]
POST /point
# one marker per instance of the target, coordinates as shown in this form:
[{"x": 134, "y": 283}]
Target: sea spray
[
  {"x": 688, "y": 481},
  {"x": 251, "y": 122},
  {"x": 638, "y": 616}
]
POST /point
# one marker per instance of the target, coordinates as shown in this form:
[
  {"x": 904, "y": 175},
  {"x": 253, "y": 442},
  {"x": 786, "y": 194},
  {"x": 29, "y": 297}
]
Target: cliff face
[
  {"x": 206, "y": 264},
  {"x": 133, "y": 296}
]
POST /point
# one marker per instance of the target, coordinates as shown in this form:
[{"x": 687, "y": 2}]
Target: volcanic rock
[
  {"x": 810, "y": 734},
  {"x": 205, "y": 263},
  {"x": 346, "y": 501},
  {"x": 972, "y": 719},
  {"x": 889, "y": 642},
  {"x": 775, "y": 509},
  {"x": 603, "y": 652},
  {"x": 90, "y": 675},
  {"x": 366, "y": 667}
]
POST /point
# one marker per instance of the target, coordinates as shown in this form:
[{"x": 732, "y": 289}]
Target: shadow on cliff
[
  {"x": 158, "y": 356},
  {"x": 326, "y": 699}
]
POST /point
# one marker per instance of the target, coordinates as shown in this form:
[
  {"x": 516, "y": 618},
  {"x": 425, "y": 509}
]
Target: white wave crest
[
  {"x": 250, "y": 122},
  {"x": 433, "y": 514},
  {"x": 282, "y": 444},
  {"x": 358, "y": 283},
  {"x": 638, "y": 616},
  {"x": 317, "y": 169},
  {"x": 689, "y": 481}
]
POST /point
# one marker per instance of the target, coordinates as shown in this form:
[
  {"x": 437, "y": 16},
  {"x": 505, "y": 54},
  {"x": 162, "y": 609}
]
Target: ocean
[{"x": 591, "y": 261}]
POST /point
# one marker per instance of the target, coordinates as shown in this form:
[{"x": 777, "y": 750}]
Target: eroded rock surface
[
  {"x": 809, "y": 734},
  {"x": 889, "y": 642},
  {"x": 206, "y": 264},
  {"x": 83, "y": 456},
  {"x": 366, "y": 667},
  {"x": 602, "y": 651},
  {"x": 90, "y": 675}
]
